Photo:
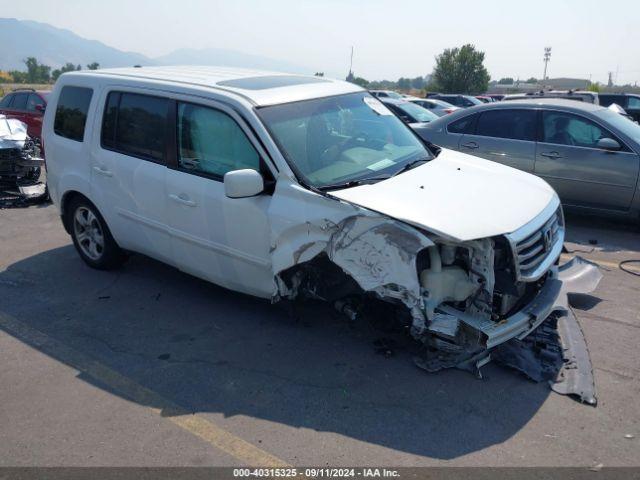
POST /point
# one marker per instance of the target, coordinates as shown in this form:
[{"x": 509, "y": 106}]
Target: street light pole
[{"x": 547, "y": 57}]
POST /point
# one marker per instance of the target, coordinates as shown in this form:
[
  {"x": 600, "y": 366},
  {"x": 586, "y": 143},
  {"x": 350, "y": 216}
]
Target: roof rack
[{"x": 24, "y": 89}]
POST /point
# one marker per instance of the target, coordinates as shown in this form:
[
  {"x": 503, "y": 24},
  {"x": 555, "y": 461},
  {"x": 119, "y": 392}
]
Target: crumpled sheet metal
[
  {"x": 557, "y": 351},
  {"x": 13, "y": 132},
  {"x": 379, "y": 253}
]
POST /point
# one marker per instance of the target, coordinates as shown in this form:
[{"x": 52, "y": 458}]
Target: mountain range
[{"x": 54, "y": 46}]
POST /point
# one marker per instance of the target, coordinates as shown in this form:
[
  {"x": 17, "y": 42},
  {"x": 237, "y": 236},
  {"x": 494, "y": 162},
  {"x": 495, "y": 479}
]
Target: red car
[{"x": 27, "y": 105}]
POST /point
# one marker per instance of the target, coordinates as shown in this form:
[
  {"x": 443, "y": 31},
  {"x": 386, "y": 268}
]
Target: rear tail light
[{"x": 449, "y": 110}]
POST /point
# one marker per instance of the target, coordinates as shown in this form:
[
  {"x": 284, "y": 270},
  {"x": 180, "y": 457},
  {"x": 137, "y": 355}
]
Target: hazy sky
[{"x": 391, "y": 38}]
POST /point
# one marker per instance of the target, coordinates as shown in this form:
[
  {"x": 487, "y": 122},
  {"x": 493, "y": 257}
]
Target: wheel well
[{"x": 67, "y": 199}]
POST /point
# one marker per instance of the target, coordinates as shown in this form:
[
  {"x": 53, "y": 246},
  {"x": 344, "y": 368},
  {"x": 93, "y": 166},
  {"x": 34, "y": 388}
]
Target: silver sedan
[{"x": 587, "y": 153}]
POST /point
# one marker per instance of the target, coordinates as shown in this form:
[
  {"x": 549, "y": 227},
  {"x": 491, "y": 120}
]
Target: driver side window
[{"x": 566, "y": 129}]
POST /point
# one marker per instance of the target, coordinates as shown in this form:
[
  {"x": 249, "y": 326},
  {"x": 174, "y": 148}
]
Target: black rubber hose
[{"x": 627, "y": 262}]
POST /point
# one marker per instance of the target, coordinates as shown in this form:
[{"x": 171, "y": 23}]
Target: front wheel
[{"x": 92, "y": 238}]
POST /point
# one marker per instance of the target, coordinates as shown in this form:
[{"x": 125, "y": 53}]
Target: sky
[{"x": 391, "y": 39}]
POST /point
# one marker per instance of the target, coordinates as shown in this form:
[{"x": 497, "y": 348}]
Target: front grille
[{"x": 536, "y": 246}]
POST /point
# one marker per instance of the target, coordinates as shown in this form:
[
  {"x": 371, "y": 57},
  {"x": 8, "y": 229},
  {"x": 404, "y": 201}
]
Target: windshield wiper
[
  {"x": 354, "y": 183},
  {"x": 410, "y": 165}
]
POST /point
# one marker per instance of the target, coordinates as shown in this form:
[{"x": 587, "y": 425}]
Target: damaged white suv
[{"x": 286, "y": 187}]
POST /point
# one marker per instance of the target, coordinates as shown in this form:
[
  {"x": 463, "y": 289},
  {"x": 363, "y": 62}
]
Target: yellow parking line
[{"x": 240, "y": 449}]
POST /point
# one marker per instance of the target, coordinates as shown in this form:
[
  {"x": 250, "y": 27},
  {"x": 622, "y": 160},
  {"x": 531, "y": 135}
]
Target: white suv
[{"x": 285, "y": 186}]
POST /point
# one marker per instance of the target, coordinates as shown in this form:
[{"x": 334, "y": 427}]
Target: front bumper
[
  {"x": 575, "y": 276},
  {"x": 543, "y": 340}
]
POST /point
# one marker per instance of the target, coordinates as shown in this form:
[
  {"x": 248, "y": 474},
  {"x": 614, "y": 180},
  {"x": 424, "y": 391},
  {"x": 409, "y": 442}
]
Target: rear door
[
  {"x": 568, "y": 158},
  {"x": 129, "y": 169},
  {"x": 505, "y": 136}
]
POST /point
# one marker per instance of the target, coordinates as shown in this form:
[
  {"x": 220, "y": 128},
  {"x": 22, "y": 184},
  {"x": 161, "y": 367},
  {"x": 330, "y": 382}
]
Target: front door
[
  {"x": 582, "y": 174},
  {"x": 224, "y": 240}
]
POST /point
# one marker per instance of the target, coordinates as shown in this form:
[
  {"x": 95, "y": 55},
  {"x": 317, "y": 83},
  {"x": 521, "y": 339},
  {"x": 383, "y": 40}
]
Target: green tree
[
  {"x": 357, "y": 80},
  {"x": 93, "y": 66},
  {"x": 317, "y": 74},
  {"x": 594, "y": 87},
  {"x": 18, "y": 76},
  {"x": 532, "y": 80},
  {"x": 461, "y": 70},
  {"x": 37, "y": 72},
  {"x": 67, "y": 67},
  {"x": 505, "y": 81},
  {"x": 404, "y": 83},
  {"x": 418, "y": 83}
]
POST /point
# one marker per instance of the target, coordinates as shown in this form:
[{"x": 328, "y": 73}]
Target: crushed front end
[
  {"x": 506, "y": 298},
  {"x": 20, "y": 155}
]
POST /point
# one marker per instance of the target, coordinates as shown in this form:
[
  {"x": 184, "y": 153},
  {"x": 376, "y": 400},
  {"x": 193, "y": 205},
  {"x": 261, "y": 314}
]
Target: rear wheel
[{"x": 91, "y": 236}]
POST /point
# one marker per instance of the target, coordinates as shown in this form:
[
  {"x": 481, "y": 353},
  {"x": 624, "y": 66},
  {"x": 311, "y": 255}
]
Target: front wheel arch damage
[{"x": 369, "y": 256}]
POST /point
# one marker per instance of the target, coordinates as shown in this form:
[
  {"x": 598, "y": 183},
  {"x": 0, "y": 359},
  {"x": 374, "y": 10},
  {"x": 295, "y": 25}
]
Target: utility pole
[
  {"x": 547, "y": 57},
  {"x": 351, "y": 62}
]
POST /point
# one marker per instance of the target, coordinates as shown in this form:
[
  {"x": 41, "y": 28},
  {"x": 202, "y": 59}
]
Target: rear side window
[
  {"x": 463, "y": 125},
  {"x": 634, "y": 103},
  {"x": 136, "y": 125},
  {"x": 33, "y": 102},
  {"x": 511, "y": 124},
  {"x": 71, "y": 112},
  {"x": 6, "y": 101},
  {"x": 20, "y": 101}
]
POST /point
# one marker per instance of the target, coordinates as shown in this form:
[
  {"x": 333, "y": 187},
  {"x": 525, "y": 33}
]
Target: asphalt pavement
[{"x": 147, "y": 366}]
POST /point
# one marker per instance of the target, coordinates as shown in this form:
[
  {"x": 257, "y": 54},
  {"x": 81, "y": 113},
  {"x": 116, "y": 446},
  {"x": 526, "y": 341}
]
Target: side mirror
[
  {"x": 608, "y": 144},
  {"x": 243, "y": 183}
]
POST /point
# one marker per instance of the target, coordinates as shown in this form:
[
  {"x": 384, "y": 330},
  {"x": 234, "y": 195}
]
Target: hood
[
  {"x": 457, "y": 196},
  {"x": 13, "y": 132}
]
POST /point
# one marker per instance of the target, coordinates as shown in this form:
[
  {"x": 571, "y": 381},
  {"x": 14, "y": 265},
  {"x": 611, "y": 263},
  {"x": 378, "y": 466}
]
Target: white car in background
[
  {"x": 439, "y": 107},
  {"x": 284, "y": 186}
]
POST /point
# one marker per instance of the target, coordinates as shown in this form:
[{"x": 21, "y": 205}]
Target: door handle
[
  {"x": 552, "y": 155},
  {"x": 183, "y": 199},
  {"x": 103, "y": 171},
  {"x": 471, "y": 145}
]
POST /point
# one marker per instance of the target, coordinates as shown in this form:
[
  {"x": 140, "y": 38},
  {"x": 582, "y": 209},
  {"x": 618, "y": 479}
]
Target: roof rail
[{"x": 24, "y": 89}]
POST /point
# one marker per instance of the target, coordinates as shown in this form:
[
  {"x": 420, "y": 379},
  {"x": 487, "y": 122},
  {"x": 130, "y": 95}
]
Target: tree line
[
  {"x": 457, "y": 70},
  {"x": 37, "y": 72}
]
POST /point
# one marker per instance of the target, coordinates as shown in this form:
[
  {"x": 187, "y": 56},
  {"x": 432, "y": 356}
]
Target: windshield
[
  {"x": 336, "y": 140},
  {"x": 630, "y": 128},
  {"x": 420, "y": 114}
]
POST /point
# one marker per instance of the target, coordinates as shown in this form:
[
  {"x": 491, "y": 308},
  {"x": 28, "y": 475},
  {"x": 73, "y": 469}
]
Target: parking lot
[{"x": 149, "y": 366}]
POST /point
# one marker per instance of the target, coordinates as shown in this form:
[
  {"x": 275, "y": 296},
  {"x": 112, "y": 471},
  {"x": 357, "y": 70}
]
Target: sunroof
[{"x": 270, "y": 81}]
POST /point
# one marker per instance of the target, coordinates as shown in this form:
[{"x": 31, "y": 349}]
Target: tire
[{"x": 92, "y": 237}]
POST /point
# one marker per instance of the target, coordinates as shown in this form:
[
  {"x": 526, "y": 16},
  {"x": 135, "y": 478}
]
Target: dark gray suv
[{"x": 587, "y": 153}]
